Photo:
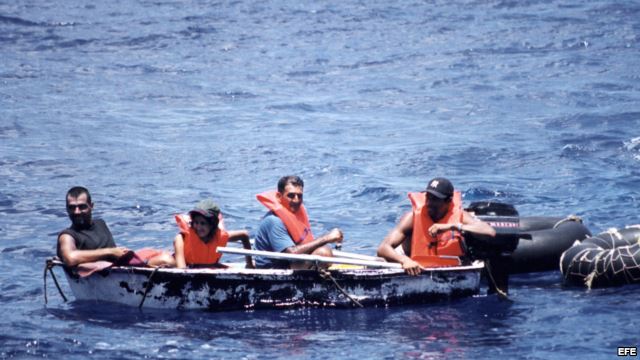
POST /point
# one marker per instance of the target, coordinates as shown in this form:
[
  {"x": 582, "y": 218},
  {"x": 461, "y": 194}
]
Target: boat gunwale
[{"x": 235, "y": 271}]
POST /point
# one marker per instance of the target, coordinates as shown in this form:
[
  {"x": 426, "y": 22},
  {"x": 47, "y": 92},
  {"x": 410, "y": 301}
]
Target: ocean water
[{"x": 154, "y": 105}]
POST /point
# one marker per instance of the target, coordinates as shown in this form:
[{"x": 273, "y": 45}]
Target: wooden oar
[{"x": 313, "y": 258}]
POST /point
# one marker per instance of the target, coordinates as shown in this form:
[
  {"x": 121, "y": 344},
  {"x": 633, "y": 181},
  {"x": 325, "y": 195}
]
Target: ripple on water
[
  {"x": 17, "y": 21},
  {"x": 294, "y": 106},
  {"x": 376, "y": 193},
  {"x": 12, "y": 131},
  {"x": 632, "y": 146},
  {"x": 594, "y": 123}
]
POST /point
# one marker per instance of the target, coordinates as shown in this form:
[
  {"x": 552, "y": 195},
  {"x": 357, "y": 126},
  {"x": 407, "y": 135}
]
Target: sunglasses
[
  {"x": 82, "y": 207},
  {"x": 293, "y": 196}
]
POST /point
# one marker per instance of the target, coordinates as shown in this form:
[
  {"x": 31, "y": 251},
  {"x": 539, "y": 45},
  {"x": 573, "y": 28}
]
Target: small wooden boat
[{"x": 359, "y": 283}]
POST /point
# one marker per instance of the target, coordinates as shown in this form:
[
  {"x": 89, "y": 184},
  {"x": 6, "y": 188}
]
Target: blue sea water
[{"x": 155, "y": 104}]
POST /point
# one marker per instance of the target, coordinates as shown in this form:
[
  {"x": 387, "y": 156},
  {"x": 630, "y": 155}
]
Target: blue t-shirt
[{"x": 272, "y": 235}]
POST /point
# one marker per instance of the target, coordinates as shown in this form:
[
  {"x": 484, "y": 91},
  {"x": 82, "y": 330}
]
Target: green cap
[{"x": 207, "y": 208}]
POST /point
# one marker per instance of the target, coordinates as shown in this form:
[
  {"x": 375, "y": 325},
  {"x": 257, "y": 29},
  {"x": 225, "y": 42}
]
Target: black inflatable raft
[
  {"x": 523, "y": 244},
  {"x": 543, "y": 240}
]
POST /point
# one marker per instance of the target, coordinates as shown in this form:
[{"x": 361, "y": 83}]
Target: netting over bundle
[{"x": 608, "y": 259}]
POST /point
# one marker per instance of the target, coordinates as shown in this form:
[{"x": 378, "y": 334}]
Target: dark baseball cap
[
  {"x": 207, "y": 208},
  {"x": 440, "y": 188}
]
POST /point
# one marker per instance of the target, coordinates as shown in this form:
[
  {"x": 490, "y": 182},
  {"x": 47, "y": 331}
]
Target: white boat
[{"x": 236, "y": 287}]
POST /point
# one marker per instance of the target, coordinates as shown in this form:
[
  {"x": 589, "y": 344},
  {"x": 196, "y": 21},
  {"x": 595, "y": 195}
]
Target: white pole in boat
[
  {"x": 349, "y": 255},
  {"x": 312, "y": 258},
  {"x": 344, "y": 254}
]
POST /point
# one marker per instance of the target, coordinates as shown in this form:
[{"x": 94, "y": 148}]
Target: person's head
[
  {"x": 79, "y": 207},
  {"x": 439, "y": 193},
  {"x": 290, "y": 191},
  {"x": 205, "y": 219}
]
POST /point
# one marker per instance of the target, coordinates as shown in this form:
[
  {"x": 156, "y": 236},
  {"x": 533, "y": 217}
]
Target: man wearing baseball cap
[{"x": 433, "y": 230}]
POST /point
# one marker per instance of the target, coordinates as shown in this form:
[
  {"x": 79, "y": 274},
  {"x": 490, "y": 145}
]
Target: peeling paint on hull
[{"x": 232, "y": 289}]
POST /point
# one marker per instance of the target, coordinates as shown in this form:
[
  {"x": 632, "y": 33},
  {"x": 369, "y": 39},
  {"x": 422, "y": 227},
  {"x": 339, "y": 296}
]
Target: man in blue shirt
[{"x": 286, "y": 220}]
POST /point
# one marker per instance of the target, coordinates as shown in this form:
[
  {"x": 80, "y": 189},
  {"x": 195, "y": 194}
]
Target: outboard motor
[
  {"x": 495, "y": 251},
  {"x": 504, "y": 218}
]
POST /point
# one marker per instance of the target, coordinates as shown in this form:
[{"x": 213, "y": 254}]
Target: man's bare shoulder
[
  {"x": 406, "y": 222},
  {"x": 65, "y": 237}
]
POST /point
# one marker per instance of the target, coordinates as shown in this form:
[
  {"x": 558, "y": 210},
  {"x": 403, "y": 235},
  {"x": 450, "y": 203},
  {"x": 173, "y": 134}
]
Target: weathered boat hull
[{"x": 230, "y": 289}]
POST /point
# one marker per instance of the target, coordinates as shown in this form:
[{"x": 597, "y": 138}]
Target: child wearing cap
[{"x": 201, "y": 233}]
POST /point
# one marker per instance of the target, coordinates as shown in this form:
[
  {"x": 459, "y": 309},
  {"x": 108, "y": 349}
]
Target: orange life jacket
[
  {"x": 297, "y": 224},
  {"x": 196, "y": 251},
  {"x": 446, "y": 242}
]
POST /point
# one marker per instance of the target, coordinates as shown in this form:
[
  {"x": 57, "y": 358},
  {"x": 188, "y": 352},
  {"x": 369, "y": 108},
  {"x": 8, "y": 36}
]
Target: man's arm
[
  {"x": 472, "y": 224},
  {"x": 72, "y": 256},
  {"x": 398, "y": 235},
  {"x": 242, "y": 236},
  {"x": 178, "y": 251},
  {"x": 469, "y": 223},
  {"x": 335, "y": 235},
  {"x": 280, "y": 240}
]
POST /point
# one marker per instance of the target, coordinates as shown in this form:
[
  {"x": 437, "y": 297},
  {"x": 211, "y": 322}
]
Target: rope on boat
[
  {"x": 326, "y": 275},
  {"x": 588, "y": 280},
  {"x": 49, "y": 266},
  {"x": 148, "y": 287},
  {"x": 575, "y": 259},
  {"x": 575, "y": 218},
  {"x": 499, "y": 291}
]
